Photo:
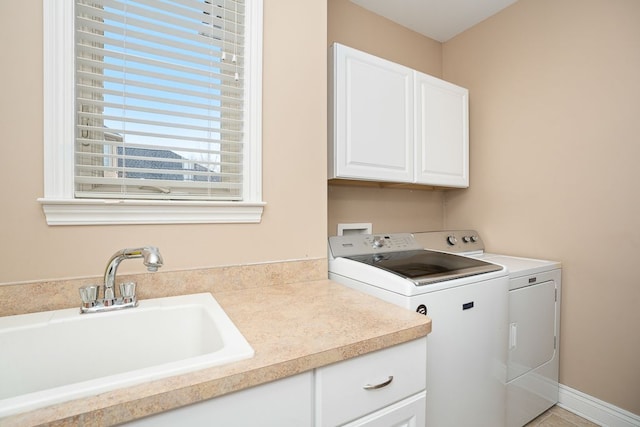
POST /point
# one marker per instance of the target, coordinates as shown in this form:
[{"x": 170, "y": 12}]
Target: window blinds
[{"x": 159, "y": 99}]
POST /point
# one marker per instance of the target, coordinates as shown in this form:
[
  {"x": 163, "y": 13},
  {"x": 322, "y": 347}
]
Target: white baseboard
[{"x": 596, "y": 410}]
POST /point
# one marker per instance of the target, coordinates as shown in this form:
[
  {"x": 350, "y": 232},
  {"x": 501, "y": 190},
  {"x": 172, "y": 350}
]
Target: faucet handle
[
  {"x": 128, "y": 291},
  {"x": 89, "y": 295}
]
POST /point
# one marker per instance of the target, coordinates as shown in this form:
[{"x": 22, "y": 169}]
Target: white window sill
[{"x": 109, "y": 212}]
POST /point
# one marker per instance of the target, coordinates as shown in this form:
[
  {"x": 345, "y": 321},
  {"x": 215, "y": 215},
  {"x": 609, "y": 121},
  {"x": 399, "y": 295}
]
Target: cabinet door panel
[
  {"x": 372, "y": 118},
  {"x": 283, "y": 403},
  {"x": 442, "y": 146}
]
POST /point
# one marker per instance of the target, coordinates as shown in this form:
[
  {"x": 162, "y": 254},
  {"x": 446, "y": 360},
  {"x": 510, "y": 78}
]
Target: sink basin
[{"x": 56, "y": 356}]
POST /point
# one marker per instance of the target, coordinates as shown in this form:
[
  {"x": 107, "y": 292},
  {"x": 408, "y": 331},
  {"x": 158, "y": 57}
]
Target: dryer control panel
[{"x": 456, "y": 241}]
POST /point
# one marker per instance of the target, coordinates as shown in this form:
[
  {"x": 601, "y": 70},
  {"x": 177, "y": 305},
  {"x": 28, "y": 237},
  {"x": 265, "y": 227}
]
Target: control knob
[
  {"x": 470, "y": 239},
  {"x": 451, "y": 240},
  {"x": 378, "y": 242}
]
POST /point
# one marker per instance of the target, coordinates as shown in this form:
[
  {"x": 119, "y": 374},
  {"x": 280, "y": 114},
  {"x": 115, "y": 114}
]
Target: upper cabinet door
[
  {"x": 442, "y": 132},
  {"x": 372, "y": 127}
]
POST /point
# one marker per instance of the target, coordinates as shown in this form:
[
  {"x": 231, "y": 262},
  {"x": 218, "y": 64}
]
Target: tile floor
[{"x": 558, "y": 417}]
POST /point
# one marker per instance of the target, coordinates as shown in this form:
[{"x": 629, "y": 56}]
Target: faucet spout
[{"x": 151, "y": 259}]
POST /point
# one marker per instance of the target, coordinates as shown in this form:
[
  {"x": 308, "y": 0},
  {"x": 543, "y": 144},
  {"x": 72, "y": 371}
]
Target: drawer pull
[{"x": 377, "y": 386}]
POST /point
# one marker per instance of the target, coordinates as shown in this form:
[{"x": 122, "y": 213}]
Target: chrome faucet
[{"x": 89, "y": 294}]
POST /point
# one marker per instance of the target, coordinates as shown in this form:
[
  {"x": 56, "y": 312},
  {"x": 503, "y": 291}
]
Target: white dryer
[{"x": 534, "y": 322}]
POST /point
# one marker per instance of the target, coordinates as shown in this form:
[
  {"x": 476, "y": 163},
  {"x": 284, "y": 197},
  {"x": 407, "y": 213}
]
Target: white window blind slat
[
  {"x": 174, "y": 112},
  {"x": 153, "y": 123},
  {"x": 165, "y": 77},
  {"x": 159, "y": 99},
  {"x": 177, "y": 172},
  {"x": 220, "y": 19},
  {"x": 162, "y": 137},
  {"x": 171, "y": 36},
  {"x": 115, "y": 143},
  {"x": 182, "y": 88},
  {"x": 89, "y": 95},
  {"x": 160, "y": 182},
  {"x": 151, "y": 111},
  {"x": 179, "y": 9},
  {"x": 191, "y": 62}
]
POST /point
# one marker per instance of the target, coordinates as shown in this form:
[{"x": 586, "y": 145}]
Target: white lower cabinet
[
  {"x": 380, "y": 389},
  {"x": 384, "y": 388},
  {"x": 283, "y": 403}
]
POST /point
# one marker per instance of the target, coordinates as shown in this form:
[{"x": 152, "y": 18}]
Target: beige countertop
[{"x": 292, "y": 328}]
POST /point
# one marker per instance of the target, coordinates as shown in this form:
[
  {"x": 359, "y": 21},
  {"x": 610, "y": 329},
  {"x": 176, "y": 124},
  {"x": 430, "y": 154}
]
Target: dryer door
[{"x": 532, "y": 320}]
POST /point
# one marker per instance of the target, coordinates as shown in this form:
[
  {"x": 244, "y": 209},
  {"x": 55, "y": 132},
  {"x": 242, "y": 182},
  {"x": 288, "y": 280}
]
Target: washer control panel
[{"x": 363, "y": 244}]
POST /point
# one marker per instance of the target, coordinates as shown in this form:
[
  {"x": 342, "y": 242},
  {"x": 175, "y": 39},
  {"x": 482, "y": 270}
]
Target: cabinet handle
[{"x": 377, "y": 386}]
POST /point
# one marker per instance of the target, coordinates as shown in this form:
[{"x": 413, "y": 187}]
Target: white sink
[{"x": 56, "y": 356}]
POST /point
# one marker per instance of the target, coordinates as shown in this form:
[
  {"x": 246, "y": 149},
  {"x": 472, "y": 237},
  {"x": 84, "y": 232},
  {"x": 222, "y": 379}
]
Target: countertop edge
[{"x": 170, "y": 393}]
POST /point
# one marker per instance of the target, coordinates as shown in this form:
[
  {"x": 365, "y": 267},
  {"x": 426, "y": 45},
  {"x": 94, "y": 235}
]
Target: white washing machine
[
  {"x": 466, "y": 300},
  {"x": 534, "y": 322}
]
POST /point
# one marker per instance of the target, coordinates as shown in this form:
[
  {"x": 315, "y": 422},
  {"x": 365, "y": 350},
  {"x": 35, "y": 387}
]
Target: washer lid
[{"x": 424, "y": 267}]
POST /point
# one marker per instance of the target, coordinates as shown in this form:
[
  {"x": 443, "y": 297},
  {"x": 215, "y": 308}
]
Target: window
[{"x": 152, "y": 111}]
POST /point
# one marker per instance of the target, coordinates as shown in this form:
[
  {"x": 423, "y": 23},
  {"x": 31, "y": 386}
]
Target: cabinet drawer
[
  {"x": 347, "y": 390},
  {"x": 411, "y": 411}
]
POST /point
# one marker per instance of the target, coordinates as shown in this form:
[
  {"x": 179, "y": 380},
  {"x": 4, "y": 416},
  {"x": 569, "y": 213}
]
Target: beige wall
[
  {"x": 412, "y": 210},
  {"x": 294, "y": 138},
  {"x": 555, "y": 143}
]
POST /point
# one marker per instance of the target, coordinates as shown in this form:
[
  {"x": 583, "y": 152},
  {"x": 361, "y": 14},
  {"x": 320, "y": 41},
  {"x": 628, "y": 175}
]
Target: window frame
[{"x": 59, "y": 203}]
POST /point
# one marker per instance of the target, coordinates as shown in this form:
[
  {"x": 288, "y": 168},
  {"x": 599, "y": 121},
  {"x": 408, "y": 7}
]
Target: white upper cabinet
[
  {"x": 372, "y": 118},
  {"x": 390, "y": 123},
  {"x": 442, "y": 132}
]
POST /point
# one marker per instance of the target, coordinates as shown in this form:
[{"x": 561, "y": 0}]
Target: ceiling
[{"x": 436, "y": 19}]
